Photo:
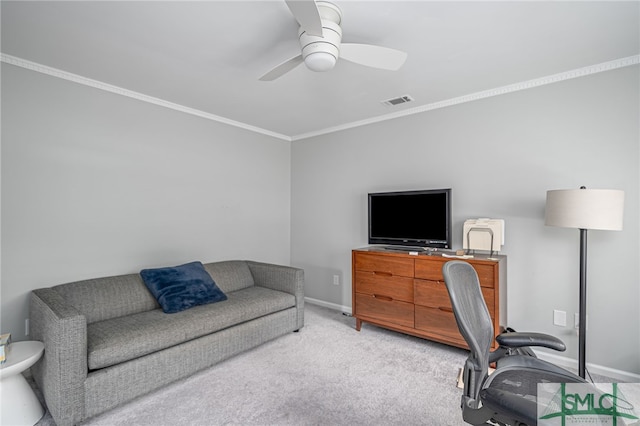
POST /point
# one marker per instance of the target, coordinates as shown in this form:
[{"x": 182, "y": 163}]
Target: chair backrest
[{"x": 474, "y": 321}]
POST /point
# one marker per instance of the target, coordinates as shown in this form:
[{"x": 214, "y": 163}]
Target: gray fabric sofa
[{"x": 107, "y": 341}]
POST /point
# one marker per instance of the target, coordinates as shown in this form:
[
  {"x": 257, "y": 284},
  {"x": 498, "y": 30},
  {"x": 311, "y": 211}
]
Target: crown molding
[
  {"x": 530, "y": 84},
  {"x": 54, "y": 72}
]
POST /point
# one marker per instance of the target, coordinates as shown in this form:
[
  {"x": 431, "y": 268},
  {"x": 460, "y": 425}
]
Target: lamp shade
[{"x": 585, "y": 208}]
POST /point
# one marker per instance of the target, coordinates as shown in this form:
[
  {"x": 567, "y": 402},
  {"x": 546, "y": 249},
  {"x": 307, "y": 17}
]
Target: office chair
[{"x": 508, "y": 395}]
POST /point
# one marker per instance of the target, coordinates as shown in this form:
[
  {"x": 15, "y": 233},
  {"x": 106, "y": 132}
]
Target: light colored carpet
[{"x": 326, "y": 374}]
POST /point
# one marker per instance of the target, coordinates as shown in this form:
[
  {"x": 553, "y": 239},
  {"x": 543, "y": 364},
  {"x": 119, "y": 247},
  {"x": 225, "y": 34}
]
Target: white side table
[{"x": 18, "y": 403}]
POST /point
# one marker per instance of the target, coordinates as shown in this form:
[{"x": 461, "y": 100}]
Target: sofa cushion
[
  {"x": 99, "y": 299},
  {"x": 230, "y": 275},
  {"x": 182, "y": 287},
  {"x": 121, "y": 339}
]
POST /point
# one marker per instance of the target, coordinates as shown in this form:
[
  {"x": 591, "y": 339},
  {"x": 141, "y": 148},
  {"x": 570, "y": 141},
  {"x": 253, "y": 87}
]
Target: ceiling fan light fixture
[
  {"x": 320, "y": 61},
  {"x": 320, "y": 37}
]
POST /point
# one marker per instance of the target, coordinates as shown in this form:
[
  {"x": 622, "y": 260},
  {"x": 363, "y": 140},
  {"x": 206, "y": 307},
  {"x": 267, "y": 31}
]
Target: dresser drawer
[
  {"x": 486, "y": 274},
  {"x": 395, "y": 287},
  {"x": 440, "y": 322},
  {"x": 385, "y": 309},
  {"x": 434, "y": 294},
  {"x": 431, "y": 269},
  {"x": 382, "y": 264}
]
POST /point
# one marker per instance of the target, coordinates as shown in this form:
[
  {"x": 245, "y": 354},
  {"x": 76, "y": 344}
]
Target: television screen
[{"x": 411, "y": 218}]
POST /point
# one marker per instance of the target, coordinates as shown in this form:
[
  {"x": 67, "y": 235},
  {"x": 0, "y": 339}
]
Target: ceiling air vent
[{"x": 397, "y": 101}]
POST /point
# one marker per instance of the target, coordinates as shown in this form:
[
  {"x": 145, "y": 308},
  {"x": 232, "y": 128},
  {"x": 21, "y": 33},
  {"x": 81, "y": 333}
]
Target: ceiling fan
[{"x": 320, "y": 38}]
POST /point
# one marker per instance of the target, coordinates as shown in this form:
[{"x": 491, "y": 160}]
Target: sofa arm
[
  {"x": 62, "y": 371},
  {"x": 282, "y": 278}
]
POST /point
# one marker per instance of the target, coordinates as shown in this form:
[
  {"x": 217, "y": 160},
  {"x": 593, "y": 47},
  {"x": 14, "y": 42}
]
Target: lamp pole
[{"x": 582, "y": 326}]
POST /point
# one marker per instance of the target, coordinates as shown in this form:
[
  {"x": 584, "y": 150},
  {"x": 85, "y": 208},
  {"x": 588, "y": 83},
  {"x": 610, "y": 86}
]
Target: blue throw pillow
[{"x": 182, "y": 287}]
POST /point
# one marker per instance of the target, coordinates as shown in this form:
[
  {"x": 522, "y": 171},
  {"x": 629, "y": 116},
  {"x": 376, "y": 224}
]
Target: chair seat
[
  {"x": 512, "y": 390},
  {"x": 508, "y": 404}
]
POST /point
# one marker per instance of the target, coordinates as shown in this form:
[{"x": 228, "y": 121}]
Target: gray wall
[
  {"x": 97, "y": 184},
  {"x": 500, "y": 155}
]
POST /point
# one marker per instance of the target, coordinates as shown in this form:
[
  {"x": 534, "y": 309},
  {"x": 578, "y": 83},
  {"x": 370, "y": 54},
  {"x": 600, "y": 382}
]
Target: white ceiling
[{"x": 208, "y": 55}]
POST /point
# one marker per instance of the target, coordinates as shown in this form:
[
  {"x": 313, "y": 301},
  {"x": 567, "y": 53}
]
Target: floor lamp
[{"x": 584, "y": 209}]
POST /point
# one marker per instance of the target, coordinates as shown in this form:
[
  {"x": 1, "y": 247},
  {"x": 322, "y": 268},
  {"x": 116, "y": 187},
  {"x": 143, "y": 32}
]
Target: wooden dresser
[{"x": 406, "y": 293}]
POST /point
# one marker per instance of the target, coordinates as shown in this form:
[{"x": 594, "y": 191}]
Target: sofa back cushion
[
  {"x": 100, "y": 299},
  {"x": 230, "y": 275}
]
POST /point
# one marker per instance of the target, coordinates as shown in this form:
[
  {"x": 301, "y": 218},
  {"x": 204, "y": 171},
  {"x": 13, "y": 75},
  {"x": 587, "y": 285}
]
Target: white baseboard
[
  {"x": 562, "y": 361},
  {"x": 334, "y": 306},
  {"x": 571, "y": 364}
]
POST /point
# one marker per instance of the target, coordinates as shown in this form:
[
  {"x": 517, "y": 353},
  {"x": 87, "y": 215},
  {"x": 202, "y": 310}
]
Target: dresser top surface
[{"x": 425, "y": 254}]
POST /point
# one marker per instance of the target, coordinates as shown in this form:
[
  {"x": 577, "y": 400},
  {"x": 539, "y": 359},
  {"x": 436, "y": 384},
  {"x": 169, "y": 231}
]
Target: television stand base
[{"x": 409, "y": 248}]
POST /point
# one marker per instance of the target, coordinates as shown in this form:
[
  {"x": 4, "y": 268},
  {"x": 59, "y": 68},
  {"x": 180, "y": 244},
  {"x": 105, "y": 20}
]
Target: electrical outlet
[
  {"x": 559, "y": 318},
  {"x": 336, "y": 280}
]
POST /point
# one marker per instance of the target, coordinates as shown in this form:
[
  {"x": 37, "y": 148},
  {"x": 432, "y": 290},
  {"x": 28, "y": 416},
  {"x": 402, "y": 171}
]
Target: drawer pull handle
[
  {"x": 385, "y": 274},
  {"x": 445, "y": 308},
  {"x": 385, "y": 298}
]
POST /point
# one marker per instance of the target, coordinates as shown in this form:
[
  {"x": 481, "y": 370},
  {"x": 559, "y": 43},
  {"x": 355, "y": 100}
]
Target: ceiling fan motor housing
[{"x": 322, "y": 53}]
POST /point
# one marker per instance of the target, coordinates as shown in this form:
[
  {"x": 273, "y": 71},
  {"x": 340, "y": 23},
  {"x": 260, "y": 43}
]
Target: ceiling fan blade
[
  {"x": 307, "y": 14},
  {"x": 373, "y": 56},
  {"x": 282, "y": 69}
]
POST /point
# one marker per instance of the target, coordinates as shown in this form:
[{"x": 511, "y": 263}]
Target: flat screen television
[{"x": 411, "y": 218}]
